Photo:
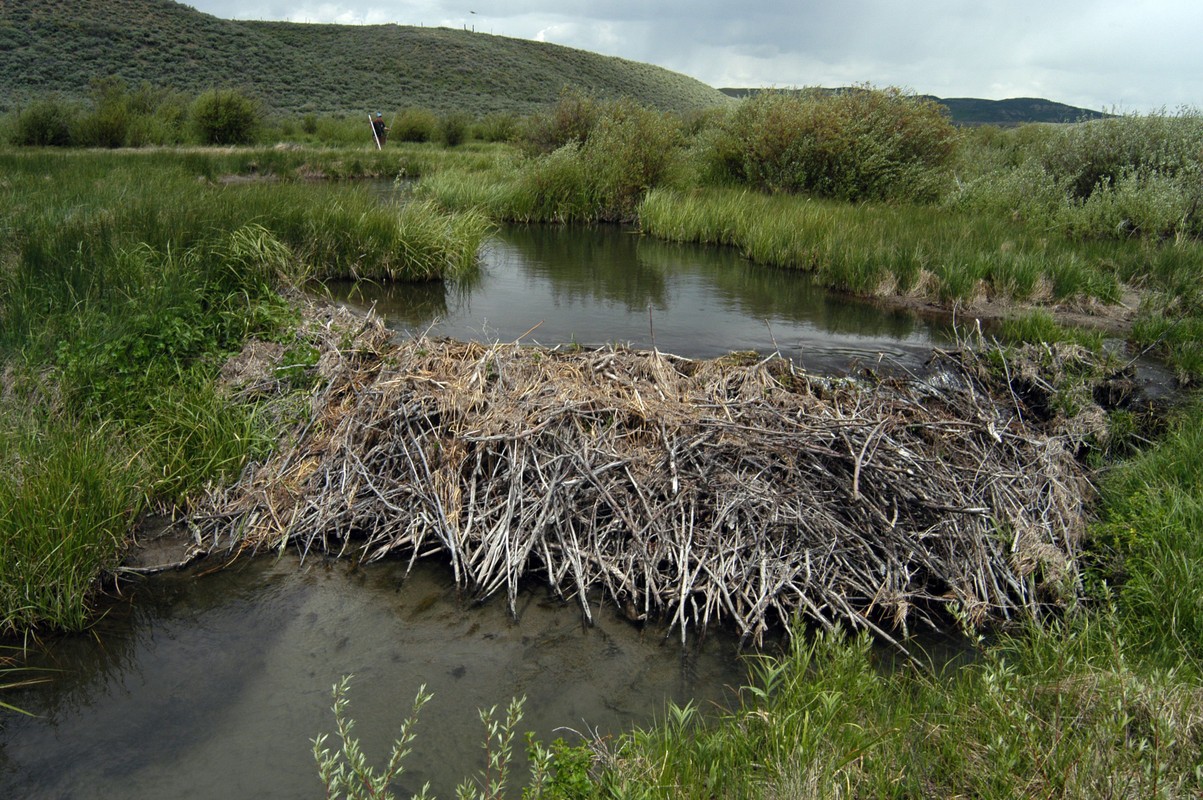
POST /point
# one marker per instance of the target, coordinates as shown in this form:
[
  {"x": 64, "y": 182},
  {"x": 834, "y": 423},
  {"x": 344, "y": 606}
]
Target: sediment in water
[{"x": 740, "y": 491}]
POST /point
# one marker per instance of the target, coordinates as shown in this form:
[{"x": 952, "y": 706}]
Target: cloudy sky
[{"x": 1126, "y": 55}]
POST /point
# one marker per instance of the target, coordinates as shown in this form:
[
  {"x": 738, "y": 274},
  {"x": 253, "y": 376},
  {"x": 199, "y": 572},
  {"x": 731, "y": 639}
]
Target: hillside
[
  {"x": 58, "y": 46},
  {"x": 978, "y": 111},
  {"x": 1013, "y": 111}
]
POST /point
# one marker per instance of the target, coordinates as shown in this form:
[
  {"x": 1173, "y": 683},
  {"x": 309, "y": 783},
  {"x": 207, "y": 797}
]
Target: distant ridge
[
  {"x": 977, "y": 111},
  {"x": 59, "y": 46},
  {"x": 1013, "y": 111}
]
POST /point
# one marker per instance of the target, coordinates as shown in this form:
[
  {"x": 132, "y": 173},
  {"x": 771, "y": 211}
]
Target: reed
[
  {"x": 1054, "y": 713},
  {"x": 884, "y": 249}
]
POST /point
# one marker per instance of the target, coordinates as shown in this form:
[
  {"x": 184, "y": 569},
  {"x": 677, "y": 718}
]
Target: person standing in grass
[{"x": 380, "y": 129}]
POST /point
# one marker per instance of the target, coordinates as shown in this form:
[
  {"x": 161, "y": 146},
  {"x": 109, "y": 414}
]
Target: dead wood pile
[{"x": 691, "y": 491}]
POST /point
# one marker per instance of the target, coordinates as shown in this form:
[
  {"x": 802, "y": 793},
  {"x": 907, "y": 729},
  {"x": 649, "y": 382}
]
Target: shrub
[
  {"x": 415, "y": 125},
  {"x": 1098, "y": 153},
  {"x": 570, "y": 120},
  {"x": 108, "y": 123},
  {"x": 1140, "y": 202},
  {"x": 43, "y": 123},
  {"x": 1026, "y": 192},
  {"x": 225, "y": 116},
  {"x": 629, "y": 151},
  {"x": 499, "y": 127},
  {"x": 857, "y": 144},
  {"x": 453, "y": 128}
]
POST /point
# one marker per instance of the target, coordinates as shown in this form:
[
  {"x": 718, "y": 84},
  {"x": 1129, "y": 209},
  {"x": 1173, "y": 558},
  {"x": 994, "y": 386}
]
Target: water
[
  {"x": 555, "y": 285},
  {"x": 212, "y": 687}
]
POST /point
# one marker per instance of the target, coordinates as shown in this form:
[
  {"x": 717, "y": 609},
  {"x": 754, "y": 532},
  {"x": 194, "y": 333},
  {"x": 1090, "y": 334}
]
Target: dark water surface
[
  {"x": 607, "y": 284},
  {"x": 212, "y": 687}
]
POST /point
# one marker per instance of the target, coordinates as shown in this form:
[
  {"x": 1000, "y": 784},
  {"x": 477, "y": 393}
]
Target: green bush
[
  {"x": 857, "y": 144},
  {"x": 570, "y": 120},
  {"x": 1026, "y": 192},
  {"x": 499, "y": 127},
  {"x": 415, "y": 125},
  {"x": 630, "y": 151},
  {"x": 1096, "y": 154},
  {"x": 1140, "y": 202},
  {"x": 108, "y": 123},
  {"x": 454, "y": 128},
  {"x": 225, "y": 116},
  {"x": 43, "y": 123},
  {"x": 1128, "y": 177}
]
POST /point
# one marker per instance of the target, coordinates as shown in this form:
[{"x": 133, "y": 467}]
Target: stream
[{"x": 196, "y": 685}]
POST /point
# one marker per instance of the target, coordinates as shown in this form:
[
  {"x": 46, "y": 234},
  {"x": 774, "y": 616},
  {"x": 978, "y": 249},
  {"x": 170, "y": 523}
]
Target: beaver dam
[{"x": 736, "y": 491}]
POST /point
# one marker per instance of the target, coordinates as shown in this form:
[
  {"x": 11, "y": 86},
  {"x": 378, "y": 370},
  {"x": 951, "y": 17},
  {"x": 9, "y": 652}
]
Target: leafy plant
[
  {"x": 225, "y": 116},
  {"x": 345, "y": 772},
  {"x": 454, "y": 129},
  {"x": 856, "y": 144},
  {"x": 415, "y": 125},
  {"x": 43, "y": 123}
]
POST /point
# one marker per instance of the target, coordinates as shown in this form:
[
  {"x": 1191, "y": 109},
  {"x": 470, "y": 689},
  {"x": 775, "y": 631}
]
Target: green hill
[
  {"x": 59, "y": 46},
  {"x": 978, "y": 111}
]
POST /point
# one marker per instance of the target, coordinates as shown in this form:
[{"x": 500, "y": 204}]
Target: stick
[{"x": 374, "y": 136}]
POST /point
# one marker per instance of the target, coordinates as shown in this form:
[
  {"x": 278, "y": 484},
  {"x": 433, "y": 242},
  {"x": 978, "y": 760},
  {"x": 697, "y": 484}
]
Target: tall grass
[
  {"x": 1063, "y": 711},
  {"x": 887, "y": 249},
  {"x": 66, "y": 500},
  {"x": 125, "y": 281},
  {"x": 1151, "y": 523}
]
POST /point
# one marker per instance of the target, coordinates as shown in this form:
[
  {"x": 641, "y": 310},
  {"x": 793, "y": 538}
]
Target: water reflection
[
  {"x": 604, "y": 284},
  {"x": 211, "y": 688}
]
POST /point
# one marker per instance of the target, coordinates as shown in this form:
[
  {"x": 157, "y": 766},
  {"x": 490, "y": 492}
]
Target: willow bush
[
  {"x": 414, "y": 125},
  {"x": 1098, "y": 153},
  {"x": 856, "y": 144},
  {"x": 570, "y": 120},
  {"x": 225, "y": 116},
  {"x": 45, "y": 122},
  {"x": 1136, "y": 176}
]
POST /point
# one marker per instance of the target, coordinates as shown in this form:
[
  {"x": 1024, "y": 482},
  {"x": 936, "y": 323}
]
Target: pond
[
  {"x": 556, "y": 285},
  {"x": 212, "y": 687}
]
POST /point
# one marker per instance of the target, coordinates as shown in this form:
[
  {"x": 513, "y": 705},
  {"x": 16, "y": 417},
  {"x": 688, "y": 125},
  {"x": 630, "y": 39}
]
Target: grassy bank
[{"x": 125, "y": 280}]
